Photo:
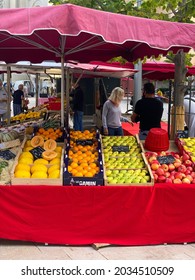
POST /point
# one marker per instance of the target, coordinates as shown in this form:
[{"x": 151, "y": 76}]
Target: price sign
[
  {"x": 7, "y": 154},
  {"x": 182, "y": 134},
  {"x": 37, "y": 152},
  {"x": 120, "y": 149},
  {"x": 166, "y": 159},
  {"x": 84, "y": 142}
]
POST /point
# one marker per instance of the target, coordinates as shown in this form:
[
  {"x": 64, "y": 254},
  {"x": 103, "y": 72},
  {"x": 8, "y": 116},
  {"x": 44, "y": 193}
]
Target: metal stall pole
[{"x": 169, "y": 108}]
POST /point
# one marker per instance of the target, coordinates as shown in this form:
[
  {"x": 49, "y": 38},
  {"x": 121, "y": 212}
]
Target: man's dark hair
[{"x": 149, "y": 88}]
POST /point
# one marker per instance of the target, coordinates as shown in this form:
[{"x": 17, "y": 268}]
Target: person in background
[
  {"x": 18, "y": 97},
  {"x": 77, "y": 104},
  {"x": 189, "y": 104},
  {"x": 111, "y": 114},
  {"x": 3, "y": 102},
  {"x": 148, "y": 111}
]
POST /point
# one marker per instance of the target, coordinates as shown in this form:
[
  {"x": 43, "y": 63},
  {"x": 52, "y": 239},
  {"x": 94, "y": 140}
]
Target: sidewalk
[{"x": 15, "y": 250}]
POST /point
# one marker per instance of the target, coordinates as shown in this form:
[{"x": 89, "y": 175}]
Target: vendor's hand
[
  {"x": 105, "y": 131},
  {"x": 129, "y": 121}
]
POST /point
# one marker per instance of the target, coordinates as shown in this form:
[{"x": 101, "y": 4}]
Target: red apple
[
  {"x": 179, "y": 175},
  {"x": 193, "y": 181},
  {"x": 168, "y": 180},
  {"x": 165, "y": 167},
  {"x": 163, "y": 153},
  {"x": 160, "y": 171},
  {"x": 161, "y": 179},
  {"x": 186, "y": 180},
  {"x": 190, "y": 168},
  {"x": 171, "y": 166},
  {"x": 154, "y": 166},
  {"x": 176, "y": 155},
  {"x": 155, "y": 178},
  {"x": 150, "y": 159},
  {"x": 177, "y": 164},
  {"x": 193, "y": 174},
  {"x": 188, "y": 172},
  {"x": 167, "y": 174},
  {"x": 182, "y": 168},
  {"x": 177, "y": 181},
  {"x": 187, "y": 162},
  {"x": 189, "y": 177},
  {"x": 185, "y": 156}
]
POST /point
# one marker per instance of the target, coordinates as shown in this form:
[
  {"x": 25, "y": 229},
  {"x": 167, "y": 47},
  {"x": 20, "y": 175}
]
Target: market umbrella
[{"x": 69, "y": 32}]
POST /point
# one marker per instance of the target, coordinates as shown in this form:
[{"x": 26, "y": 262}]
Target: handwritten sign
[
  {"x": 37, "y": 152},
  {"x": 120, "y": 149},
  {"x": 182, "y": 134},
  {"x": 166, "y": 159},
  {"x": 84, "y": 142}
]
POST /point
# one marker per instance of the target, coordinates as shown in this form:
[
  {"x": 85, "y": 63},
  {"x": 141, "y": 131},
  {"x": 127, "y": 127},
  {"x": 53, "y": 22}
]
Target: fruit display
[
  {"x": 40, "y": 161},
  {"x": 187, "y": 145},
  {"x": 8, "y": 136},
  {"x": 25, "y": 116},
  {"x": 171, "y": 167},
  {"x": 49, "y": 133},
  {"x": 83, "y": 164},
  {"x": 124, "y": 161}
]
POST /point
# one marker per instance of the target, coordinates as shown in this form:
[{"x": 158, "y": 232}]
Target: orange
[
  {"x": 84, "y": 164},
  {"x": 93, "y": 165},
  {"x": 89, "y": 174},
  {"x": 79, "y": 174},
  {"x": 79, "y": 168},
  {"x": 73, "y": 164}
]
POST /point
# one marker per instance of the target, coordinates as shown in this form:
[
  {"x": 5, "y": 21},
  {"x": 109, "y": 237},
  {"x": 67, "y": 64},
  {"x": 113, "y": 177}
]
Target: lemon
[
  {"x": 28, "y": 143},
  {"x": 22, "y": 174},
  {"x": 55, "y": 161},
  {"x": 38, "y": 167},
  {"x": 53, "y": 167},
  {"x": 41, "y": 161},
  {"x": 27, "y": 149},
  {"x": 58, "y": 155},
  {"x": 22, "y": 166},
  {"x": 39, "y": 174},
  {"x": 58, "y": 149},
  {"x": 26, "y": 155},
  {"x": 26, "y": 160},
  {"x": 54, "y": 174}
]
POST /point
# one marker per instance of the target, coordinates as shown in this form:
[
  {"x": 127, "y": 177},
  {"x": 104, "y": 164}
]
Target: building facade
[{"x": 6, "y": 4}]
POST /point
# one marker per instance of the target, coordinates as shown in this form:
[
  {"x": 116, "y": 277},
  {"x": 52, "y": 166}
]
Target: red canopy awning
[
  {"x": 78, "y": 33},
  {"x": 152, "y": 70}
]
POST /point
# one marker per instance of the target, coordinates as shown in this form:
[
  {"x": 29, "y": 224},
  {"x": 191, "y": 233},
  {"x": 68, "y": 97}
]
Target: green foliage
[{"x": 172, "y": 10}]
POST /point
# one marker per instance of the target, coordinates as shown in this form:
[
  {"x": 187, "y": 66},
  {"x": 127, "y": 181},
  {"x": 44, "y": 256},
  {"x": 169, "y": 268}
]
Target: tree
[{"x": 172, "y": 10}]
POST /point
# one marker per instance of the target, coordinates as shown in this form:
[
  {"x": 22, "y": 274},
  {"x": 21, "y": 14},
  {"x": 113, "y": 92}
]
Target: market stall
[{"x": 89, "y": 213}]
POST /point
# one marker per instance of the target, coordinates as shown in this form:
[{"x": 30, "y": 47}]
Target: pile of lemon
[{"x": 40, "y": 168}]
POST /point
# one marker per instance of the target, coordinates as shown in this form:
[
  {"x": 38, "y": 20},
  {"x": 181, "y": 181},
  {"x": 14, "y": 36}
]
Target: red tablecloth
[
  {"x": 128, "y": 129},
  {"x": 85, "y": 215}
]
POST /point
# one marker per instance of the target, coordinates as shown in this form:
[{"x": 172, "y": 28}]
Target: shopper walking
[{"x": 18, "y": 98}]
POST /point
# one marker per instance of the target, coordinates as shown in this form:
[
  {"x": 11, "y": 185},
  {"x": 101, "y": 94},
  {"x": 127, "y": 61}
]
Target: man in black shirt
[
  {"x": 148, "y": 110},
  {"x": 18, "y": 98}
]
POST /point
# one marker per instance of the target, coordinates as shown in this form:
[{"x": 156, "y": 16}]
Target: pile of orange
[
  {"x": 83, "y": 160},
  {"x": 50, "y": 133}
]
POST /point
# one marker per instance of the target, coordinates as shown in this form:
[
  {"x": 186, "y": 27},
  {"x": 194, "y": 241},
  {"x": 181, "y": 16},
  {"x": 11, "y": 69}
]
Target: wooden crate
[
  {"x": 38, "y": 181},
  {"x": 147, "y": 168}
]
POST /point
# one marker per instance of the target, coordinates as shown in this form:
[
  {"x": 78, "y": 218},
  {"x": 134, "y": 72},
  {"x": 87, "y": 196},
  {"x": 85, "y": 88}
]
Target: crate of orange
[
  {"x": 56, "y": 134},
  {"x": 83, "y": 165}
]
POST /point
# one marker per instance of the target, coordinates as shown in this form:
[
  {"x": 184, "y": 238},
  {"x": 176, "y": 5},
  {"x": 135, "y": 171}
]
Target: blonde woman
[{"x": 111, "y": 115}]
